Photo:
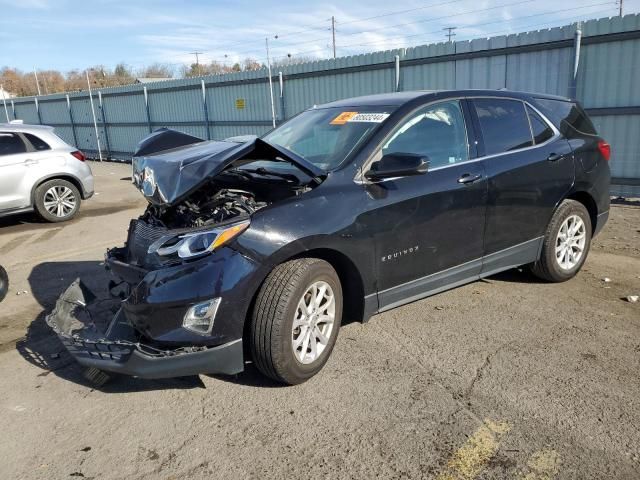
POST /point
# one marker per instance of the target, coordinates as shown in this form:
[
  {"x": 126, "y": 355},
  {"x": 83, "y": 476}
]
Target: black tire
[
  {"x": 273, "y": 314},
  {"x": 42, "y": 190},
  {"x": 547, "y": 267},
  {"x": 4, "y": 283}
]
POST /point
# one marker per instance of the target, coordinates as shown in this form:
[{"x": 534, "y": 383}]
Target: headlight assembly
[{"x": 194, "y": 244}]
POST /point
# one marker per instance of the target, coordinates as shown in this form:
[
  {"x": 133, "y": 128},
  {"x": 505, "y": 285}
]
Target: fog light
[{"x": 199, "y": 318}]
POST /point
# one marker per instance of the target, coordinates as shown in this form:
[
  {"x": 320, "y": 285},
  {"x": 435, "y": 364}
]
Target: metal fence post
[
  {"x": 104, "y": 124},
  {"x": 206, "y": 109},
  {"x": 35, "y": 99},
  {"x": 146, "y": 106},
  {"x": 73, "y": 125},
  {"x": 577, "y": 41},
  {"x": 283, "y": 111},
  {"x": 4, "y": 101}
]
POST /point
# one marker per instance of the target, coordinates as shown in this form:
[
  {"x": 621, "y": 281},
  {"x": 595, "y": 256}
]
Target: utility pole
[
  {"x": 93, "y": 112},
  {"x": 619, "y": 2},
  {"x": 450, "y": 33},
  {"x": 35, "y": 74},
  {"x": 197, "y": 60},
  {"x": 273, "y": 107},
  {"x": 333, "y": 34}
]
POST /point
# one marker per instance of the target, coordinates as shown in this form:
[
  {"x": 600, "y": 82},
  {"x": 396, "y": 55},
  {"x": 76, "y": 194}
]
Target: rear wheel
[
  {"x": 566, "y": 243},
  {"x": 295, "y": 320},
  {"x": 57, "y": 200}
]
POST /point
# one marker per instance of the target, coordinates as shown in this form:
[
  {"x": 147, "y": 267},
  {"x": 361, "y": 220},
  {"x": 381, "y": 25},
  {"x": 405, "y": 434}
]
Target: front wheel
[
  {"x": 295, "y": 320},
  {"x": 566, "y": 243}
]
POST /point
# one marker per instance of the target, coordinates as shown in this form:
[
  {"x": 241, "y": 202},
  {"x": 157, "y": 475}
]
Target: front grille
[{"x": 141, "y": 236}]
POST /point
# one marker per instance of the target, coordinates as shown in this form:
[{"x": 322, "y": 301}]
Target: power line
[
  {"x": 398, "y": 12},
  {"x": 478, "y": 24},
  {"x": 422, "y": 34},
  {"x": 444, "y": 17}
]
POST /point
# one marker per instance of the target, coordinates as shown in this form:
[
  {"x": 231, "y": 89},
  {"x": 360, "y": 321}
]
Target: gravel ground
[{"x": 502, "y": 378}]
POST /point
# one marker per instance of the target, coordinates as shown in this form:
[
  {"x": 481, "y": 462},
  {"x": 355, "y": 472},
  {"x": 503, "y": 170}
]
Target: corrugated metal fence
[{"x": 607, "y": 83}]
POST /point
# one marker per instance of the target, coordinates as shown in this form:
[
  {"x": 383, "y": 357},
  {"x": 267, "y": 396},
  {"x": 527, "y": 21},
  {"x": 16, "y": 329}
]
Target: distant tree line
[{"x": 22, "y": 83}]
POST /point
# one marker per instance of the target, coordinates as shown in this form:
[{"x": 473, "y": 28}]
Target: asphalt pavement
[{"x": 503, "y": 378}]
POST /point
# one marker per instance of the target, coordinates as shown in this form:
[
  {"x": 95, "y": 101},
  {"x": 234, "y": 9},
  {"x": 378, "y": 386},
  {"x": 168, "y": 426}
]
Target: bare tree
[
  {"x": 251, "y": 64},
  {"x": 156, "y": 70}
]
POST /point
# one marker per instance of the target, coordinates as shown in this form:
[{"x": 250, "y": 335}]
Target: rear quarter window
[
  {"x": 37, "y": 142},
  {"x": 568, "y": 117},
  {"x": 540, "y": 129}
]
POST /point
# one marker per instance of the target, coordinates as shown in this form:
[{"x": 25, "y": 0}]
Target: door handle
[
  {"x": 469, "y": 178},
  {"x": 554, "y": 157},
  {"x": 30, "y": 161}
]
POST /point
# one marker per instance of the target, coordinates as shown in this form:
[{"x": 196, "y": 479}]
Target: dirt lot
[{"x": 503, "y": 378}]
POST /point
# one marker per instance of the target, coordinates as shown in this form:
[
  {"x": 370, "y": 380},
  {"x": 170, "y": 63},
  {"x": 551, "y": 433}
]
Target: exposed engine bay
[
  {"x": 236, "y": 194},
  {"x": 208, "y": 209},
  {"x": 190, "y": 183}
]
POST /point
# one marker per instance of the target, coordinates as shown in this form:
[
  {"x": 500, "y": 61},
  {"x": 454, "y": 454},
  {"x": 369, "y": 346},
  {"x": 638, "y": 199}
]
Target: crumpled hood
[{"x": 169, "y": 165}]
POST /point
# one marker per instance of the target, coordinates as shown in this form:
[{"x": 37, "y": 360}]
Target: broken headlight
[{"x": 194, "y": 244}]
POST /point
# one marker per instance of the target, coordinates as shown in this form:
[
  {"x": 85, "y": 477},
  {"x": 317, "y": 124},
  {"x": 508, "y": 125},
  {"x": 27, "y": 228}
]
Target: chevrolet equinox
[{"x": 257, "y": 251}]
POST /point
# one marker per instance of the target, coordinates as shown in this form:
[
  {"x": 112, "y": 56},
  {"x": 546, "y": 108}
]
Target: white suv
[{"x": 39, "y": 171}]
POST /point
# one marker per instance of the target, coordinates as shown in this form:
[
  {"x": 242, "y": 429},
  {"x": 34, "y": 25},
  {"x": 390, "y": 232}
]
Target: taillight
[
  {"x": 79, "y": 155},
  {"x": 605, "y": 149}
]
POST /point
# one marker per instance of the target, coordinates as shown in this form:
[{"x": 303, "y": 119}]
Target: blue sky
[{"x": 68, "y": 34}]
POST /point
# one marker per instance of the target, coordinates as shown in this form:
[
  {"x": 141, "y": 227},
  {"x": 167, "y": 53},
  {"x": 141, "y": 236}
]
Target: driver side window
[{"x": 436, "y": 131}]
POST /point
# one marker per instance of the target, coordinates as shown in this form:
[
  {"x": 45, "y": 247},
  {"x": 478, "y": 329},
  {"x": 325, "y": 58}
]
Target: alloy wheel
[
  {"x": 570, "y": 242},
  {"x": 313, "y": 322},
  {"x": 60, "y": 201}
]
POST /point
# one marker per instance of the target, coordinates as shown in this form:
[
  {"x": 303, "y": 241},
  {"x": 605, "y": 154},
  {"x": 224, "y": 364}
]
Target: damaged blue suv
[{"x": 257, "y": 251}]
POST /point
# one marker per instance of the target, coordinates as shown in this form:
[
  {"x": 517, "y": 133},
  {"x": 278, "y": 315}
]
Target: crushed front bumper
[{"x": 96, "y": 337}]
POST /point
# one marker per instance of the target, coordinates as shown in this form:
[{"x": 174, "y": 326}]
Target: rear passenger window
[
  {"x": 37, "y": 143},
  {"x": 504, "y": 125},
  {"x": 10, "y": 144},
  {"x": 540, "y": 129}
]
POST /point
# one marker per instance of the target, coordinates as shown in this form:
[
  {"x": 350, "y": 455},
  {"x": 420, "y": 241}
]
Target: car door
[
  {"x": 13, "y": 169},
  {"x": 529, "y": 167},
  {"x": 427, "y": 229}
]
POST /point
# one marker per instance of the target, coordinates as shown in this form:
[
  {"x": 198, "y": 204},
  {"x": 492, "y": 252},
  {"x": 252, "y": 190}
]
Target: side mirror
[{"x": 398, "y": 165}]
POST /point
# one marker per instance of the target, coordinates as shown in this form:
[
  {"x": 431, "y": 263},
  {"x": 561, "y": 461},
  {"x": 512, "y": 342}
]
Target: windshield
[{"x": 328, "y": 136}]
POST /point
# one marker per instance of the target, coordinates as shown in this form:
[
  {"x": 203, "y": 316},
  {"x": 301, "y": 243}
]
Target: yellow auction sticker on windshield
[{"x": 343, "y": 118}]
